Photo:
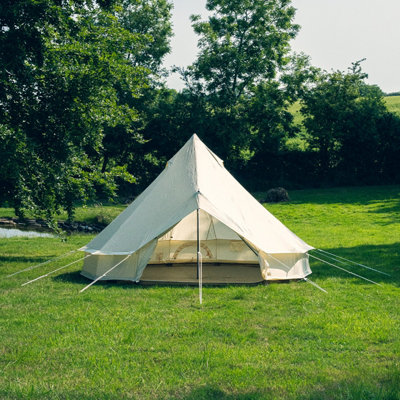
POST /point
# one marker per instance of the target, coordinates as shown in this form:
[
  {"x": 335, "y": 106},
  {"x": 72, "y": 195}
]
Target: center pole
[
  {"x": 198, "y": 244},
  {"x": 199, "y": 260}
]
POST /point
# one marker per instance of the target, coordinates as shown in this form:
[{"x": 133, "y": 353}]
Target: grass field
[
  {"x": 393, "y": 103},
  {"x": 298, "y": 142},
  {"x": 280, "y": 341}
]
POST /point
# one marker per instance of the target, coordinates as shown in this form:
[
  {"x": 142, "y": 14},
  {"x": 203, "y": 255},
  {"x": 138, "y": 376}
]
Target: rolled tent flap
[
  {"x": 281, "y": 266},
  {"x": 130, "y": 270},
  {"x": 284, "y": 266}
]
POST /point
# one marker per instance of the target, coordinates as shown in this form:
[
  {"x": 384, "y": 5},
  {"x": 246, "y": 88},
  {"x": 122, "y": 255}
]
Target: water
[{"x": 6, "y": 233}]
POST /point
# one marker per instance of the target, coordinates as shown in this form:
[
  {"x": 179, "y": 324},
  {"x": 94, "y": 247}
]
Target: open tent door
[{"x": 225, "y": 256}]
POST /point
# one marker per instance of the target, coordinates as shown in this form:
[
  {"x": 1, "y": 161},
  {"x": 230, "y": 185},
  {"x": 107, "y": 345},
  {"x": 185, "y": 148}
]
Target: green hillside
[{"x": 393, "y": 103}]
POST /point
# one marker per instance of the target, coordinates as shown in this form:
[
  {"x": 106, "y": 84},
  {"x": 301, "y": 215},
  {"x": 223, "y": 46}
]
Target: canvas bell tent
[{"x": 196, "y": 204}]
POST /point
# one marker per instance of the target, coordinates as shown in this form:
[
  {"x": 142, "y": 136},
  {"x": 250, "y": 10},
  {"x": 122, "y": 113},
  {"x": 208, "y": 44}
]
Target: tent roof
[{"x": 195, "y": 178}]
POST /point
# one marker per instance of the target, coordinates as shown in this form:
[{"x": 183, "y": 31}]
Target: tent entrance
[
  {"x": 218, "y": 243},
  {"x": 226, "y": 258}
]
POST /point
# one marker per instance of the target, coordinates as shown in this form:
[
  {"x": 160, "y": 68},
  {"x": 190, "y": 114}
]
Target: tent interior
[{"x": 226, "y": 257}]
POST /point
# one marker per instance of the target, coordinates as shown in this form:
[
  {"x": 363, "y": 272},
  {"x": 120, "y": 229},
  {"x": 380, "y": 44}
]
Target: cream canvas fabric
[{"x": 160, "y": 226}]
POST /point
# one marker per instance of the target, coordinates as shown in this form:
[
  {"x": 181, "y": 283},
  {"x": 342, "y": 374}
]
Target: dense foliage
[
  {"x": 353, "y": 137},
  {"x": 84, "y": 112},
  {"x": 68, "y": 89}
]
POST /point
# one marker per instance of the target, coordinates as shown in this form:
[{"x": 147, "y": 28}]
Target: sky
[{"x": 334, "y": 33}]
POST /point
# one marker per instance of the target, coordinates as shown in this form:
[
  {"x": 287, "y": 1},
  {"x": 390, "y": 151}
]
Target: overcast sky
[{"x": 334, "y": 33}]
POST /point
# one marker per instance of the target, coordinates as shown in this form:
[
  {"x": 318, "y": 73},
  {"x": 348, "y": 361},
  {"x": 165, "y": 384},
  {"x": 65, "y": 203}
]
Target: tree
[
  {"x": 242, "y": 48},
  {"x": 70, "y": 82},
  {"x": 344, "y": 119}
]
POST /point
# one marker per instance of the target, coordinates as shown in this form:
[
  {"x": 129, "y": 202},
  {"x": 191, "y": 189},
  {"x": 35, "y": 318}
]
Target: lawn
[
  {"x": 279, "y": 341},
  {"x": 393, "y": 104},
  {"x": 298, "y": 142}
]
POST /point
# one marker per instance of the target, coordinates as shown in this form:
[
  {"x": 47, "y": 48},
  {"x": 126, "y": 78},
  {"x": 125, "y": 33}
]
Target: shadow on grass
[
  {"x": 386, "y": 388},
  {"x": 362, "y": 195},
  {"x": 76, "y": 278},
  {"x": 24, "y": 259},
  {"x": 210, "y": 392},
  {"x": 377, "y": 388},
  {"x": 384, "y": 258},
  {"x": 390, "y": 214}
]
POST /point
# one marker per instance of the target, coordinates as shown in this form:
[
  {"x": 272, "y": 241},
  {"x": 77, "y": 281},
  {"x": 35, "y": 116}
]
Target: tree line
[{"x": 85, "y": 112}]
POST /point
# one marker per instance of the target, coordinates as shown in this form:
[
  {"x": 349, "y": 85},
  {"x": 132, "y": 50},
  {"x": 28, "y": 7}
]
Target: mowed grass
[
  {"x": 280, "y": 341},
  {"x": 97, "y": 213},
  {"x": 393, "y": 104}
]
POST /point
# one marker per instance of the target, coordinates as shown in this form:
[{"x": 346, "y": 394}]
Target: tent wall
[
  {"x": 219, "y": 245},
  {"x": 284, "y": 266},
  {"x": 130, "y": 270}
]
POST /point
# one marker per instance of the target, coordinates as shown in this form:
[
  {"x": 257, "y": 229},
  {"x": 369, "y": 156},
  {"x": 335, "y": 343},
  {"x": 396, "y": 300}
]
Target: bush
[{"x": 277, "y": 195}]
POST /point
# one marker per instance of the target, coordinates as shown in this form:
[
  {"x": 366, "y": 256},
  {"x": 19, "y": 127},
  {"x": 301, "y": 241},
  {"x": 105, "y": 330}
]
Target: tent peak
[{"x": 198, "y": 144}]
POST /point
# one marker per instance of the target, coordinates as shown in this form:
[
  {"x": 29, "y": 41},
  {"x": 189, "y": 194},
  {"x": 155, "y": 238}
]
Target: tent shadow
[
  {"x": 71, "y": 277},
  {"x": 381, "y": 257},
  {"x": 75, "y": 277}
]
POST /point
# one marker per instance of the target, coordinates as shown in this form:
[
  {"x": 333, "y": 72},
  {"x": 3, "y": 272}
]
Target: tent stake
[
  {"x": 52, "y": 272},
  {"x": 102, "y": 276},
  {"x": 349, "y": 261},
  {"x": 43, "y": 263},
  {"x": 352, "y": 273}
]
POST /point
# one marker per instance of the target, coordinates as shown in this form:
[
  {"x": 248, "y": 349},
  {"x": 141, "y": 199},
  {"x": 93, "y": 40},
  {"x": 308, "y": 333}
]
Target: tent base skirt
[{"x": 212, "y": 273}]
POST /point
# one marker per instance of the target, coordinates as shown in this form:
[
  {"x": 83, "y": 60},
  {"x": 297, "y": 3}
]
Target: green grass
[
  {"x": 393, "y": 104},
  {"x": 280, "y": 341},
  {"x": 98, "y": 213}
]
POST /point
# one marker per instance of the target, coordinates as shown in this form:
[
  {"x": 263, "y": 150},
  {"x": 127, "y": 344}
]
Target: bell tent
[{"x": 196, "y": 208}]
